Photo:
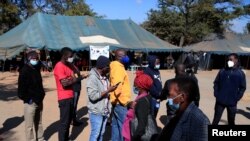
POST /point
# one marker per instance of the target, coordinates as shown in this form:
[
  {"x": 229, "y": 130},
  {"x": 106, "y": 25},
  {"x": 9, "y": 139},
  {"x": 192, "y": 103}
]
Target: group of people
[{"x": 109, "y": 96}]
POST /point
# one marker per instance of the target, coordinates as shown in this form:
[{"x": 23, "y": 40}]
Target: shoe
[{"x": 77, "y": 123}]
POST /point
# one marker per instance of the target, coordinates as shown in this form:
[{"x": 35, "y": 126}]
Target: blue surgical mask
[
  {"x": 125, "y": 59},
  {"x": 136, "y": 90},
  {"x": 171, "y": 103},
  {"x": 157, "y": 67},
  {"x": 33, "y": 62}
]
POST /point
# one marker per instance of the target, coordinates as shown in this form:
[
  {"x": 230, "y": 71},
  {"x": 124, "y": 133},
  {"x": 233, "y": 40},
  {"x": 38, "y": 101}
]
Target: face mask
[
  {"x": 230, "y": 64},
  {"x": 172, "y": 105},
  {"x": 70, "y": 60},
  {"x": 33, "y": 62},
  {"x": 125, "y": 59},
  {"x": 136, "y": 90},
  {"x": 157, "y": 67}
]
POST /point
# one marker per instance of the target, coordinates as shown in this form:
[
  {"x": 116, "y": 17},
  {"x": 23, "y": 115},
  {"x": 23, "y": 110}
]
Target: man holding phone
[{"x": 98, "y": 89}]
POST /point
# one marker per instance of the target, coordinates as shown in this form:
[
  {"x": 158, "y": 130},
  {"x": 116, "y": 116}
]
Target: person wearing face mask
[
  {"x": 77, "y": 91},
  {"x": 141, "y": 107},
  {"x": 31, "y": 91},
  {"x": 65, "y": 78},
  {"x": 189, "y": 122},
  {"x": 153, "y": 71},
  {"x": 99, "y": 106},
  {"x": 229, "y": 87},
  {"x": 179, "y": 72},
  {"x": 121, "y": 97}
]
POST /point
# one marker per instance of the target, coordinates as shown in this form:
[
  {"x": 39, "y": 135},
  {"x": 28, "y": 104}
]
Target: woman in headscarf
[{"x": 141, "y": 108}]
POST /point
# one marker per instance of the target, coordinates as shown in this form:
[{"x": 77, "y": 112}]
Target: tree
[
  {"x": 8, "y": 16},
  {"x": 191, "y": 20},
  {"x": 12, "y": 12}
]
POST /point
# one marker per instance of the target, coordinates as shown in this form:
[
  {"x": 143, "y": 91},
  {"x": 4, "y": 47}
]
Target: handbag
[{"x": 150, "y": 130}]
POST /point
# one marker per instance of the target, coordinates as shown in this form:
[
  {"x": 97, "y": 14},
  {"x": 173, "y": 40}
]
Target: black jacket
[
  {"x": 229, "y": 86},
  {"x": 30, "y": 84},
  {"x": 142, "y": 109},
  {"x": 155, "y": 90}
]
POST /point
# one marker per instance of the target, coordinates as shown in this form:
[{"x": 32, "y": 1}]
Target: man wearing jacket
[
  {"x": 155, "y": 91},
  {"x": 229, "y": 87},
  {"x": 99, "y": 106},
  {"x": 121, "y": 97},
  {"x": 31, "y": 91}
]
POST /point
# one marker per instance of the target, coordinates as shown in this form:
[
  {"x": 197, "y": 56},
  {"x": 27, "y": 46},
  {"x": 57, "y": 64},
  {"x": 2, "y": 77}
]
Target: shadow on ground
[
  {"x": 75, "y": 131},
  {"x": 8, "y": 92},
  {"x": 9, "y": 124},
  {"x": 163, "y": 119},
  {"x": 244, "y": 113}
]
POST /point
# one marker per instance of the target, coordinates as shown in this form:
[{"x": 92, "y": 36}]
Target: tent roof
[
  {"x": 232, "y": 43},
  {"x": 54, "y": 32}
]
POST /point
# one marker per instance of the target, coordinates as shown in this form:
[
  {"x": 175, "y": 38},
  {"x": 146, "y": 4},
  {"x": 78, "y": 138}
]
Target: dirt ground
[{"x": 11, "y": 108}]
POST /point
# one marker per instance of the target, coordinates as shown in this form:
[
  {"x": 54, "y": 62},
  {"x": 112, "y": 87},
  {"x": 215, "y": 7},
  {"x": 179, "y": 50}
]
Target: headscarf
[{"x": 142, "y": 80}]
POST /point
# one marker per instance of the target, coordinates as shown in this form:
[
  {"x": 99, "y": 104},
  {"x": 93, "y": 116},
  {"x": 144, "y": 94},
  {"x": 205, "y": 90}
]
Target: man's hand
[
  {"x": 112, "y": 88},
  {"x": 85, "y": 75}
]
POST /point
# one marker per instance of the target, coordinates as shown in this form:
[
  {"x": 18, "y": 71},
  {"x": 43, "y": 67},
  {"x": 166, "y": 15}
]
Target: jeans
[
  {"x": 98, "y": 125},
  {"x": 231, "y": 113},
  {"x": 66, "y": 110},
  {"x": 76, "y": 98},
  {"x": 119, "y": 115},
  {"x": 33, "y": 121}
]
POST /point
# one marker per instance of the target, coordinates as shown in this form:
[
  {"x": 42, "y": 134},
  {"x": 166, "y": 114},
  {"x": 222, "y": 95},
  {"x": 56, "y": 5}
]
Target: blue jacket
[
  {"x": 155, "y": 90},
  {"x": 229, "y": 86}
]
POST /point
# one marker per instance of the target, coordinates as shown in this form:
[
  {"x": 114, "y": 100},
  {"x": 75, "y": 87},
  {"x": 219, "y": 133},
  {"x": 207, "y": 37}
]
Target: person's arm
[
  {"x": 94, "y": 93},
  {"x": 22, "y": 84},
  {"x": 68, "y": 81},
  {"x": 164, "y": 92},
  {"x": 141, "y": 112},
  {"x": 155, "y": 90},
  {"x": 217, "y": 83},
  {"x": 242, "y": 86}
]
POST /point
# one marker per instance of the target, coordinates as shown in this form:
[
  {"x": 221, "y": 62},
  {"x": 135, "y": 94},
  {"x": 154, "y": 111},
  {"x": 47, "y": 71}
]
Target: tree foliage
[
  {"x": 12, "y": 12},
  {"x": 8, "y": 16},
  {"x": 183, "y": 22}
]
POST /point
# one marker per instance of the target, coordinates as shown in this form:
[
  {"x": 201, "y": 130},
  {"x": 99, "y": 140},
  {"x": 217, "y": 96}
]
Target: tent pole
[{"x": 4, "y": 59}]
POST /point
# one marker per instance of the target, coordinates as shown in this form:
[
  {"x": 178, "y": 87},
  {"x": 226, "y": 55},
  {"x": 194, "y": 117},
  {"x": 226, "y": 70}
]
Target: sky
[{"x": 137, "y": 11}]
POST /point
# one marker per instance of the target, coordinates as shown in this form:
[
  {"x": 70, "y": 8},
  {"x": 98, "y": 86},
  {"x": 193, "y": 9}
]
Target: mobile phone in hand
[{"x": 117, "y": 84}]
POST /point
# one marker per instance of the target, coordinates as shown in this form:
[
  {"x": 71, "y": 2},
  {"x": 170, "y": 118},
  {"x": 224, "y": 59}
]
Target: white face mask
[
  {"x": 230, "y": 64},
  {"x": 157, "y": 67},
  {"x": 70, "y": 60}
]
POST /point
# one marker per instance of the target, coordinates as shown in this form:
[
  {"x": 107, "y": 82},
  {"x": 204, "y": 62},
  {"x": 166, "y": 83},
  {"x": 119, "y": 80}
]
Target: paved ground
[{"x": 11, "y": 108}]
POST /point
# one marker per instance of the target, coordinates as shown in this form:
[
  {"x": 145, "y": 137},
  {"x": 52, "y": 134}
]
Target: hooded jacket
[{"x": 155, "y": 90}]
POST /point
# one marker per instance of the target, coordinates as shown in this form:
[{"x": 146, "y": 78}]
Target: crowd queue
[{"x": 110, "y": 98}]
